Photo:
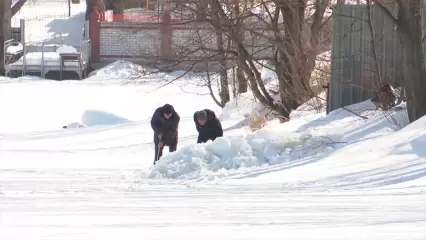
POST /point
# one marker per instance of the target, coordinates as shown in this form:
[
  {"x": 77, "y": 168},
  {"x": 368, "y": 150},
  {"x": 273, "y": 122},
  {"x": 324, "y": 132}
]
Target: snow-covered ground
[{"x": 339, "y": 176}]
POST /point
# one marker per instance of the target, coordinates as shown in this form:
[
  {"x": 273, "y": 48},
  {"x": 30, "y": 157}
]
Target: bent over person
[
  {"x": 165, "y": 123},
  {"x": 208, "y": 125}
]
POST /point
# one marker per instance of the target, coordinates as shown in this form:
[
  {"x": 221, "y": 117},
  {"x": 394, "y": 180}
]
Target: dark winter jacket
[
  {"x": 211, "y": 130},
  {"x": 169, "y": 127}
]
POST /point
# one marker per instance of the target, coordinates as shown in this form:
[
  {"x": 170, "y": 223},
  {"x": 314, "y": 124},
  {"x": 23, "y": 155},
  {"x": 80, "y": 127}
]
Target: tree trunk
[
  {"x": 116, "y": 6},
  {"x": 90, "y": 4},
  {"x": 295, "y": 56},
  {"x": 224, "y": 83},
  {"x": 410, "y": 33},
  {"x": 5, "y": 29},
  {"x": 289, "y": 62},
  {"x": 234, "y": 82},
  {"x": 17, "y": 6},
  {"x": 242, "y": 80}
]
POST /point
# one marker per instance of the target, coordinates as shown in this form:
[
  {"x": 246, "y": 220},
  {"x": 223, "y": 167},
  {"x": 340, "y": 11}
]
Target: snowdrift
[
  {"x": 387, "y": 161},
  {"x": 96, "y": 117},
  {"x": 268, "y": 146},
  {"x": 118, "y": 70},
  {"x": 275, "y": 144}
]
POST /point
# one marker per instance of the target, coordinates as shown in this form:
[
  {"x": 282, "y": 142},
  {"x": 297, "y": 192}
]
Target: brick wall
[
  {"x": 129, "y": 40},
  {"x": 143, "y": 41}
]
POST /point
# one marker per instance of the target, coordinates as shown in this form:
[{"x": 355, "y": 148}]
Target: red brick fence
[
  {"x": 141, "y": 38},
  {"x": 151, "y": 35}
]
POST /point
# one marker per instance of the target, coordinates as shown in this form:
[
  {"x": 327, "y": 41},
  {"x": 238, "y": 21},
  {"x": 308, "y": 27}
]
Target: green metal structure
[{"x": 354, "y": 72}]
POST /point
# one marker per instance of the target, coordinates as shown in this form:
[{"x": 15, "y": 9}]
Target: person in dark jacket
[
  {"x": 165, "y": 123},
  {"x": 208, "y": 125}
]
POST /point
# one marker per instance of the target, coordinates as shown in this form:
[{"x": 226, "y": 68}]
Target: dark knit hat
[
  {"x": 167, "y": 109},
  {"x": 201, "y": 115}
]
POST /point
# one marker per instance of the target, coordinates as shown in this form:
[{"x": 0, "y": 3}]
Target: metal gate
[{"x": 43, "y": 19}]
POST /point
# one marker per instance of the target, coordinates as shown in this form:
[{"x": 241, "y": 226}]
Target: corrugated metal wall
[{"x": 353, "y": 68}]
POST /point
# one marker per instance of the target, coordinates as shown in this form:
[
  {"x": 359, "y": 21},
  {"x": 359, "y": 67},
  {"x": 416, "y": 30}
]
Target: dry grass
[{"x": 257, "y": 122}]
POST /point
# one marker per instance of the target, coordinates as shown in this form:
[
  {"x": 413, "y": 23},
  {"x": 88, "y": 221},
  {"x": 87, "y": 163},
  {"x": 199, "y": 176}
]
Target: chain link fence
[
  {"x": 39, "y": 16},
  {"x": 41, "y": 31}
]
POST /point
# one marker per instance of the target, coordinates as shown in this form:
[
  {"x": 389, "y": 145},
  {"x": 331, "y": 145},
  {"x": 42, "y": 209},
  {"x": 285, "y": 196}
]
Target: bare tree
[
  {"x": 15, "y": 9},
  {"x": 238, "y": 9},
  {"x": 292, "y": 50},
  {"x": 5, "y": 28},
  {"x": 288, "y": 35},
  {"x": 409, "y": 29},
  {"x": 222, "y": 59},
  {"x": 7, "y": 11}
]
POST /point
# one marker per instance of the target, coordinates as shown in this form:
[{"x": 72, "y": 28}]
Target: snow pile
[
  {"x": 96, "y": 117},
  {"x": 243, "y": 105},
  {"x": 271, "y": 146},
  {"x": 268, "y": 75},
  {"x": 309, "y": 136},
  {"x": 23, "y": 79},
  {"x": 313, "y": 106},
  {"x": 74, "y": 125},
  {"x": 120, "y": 69},
  {"x": 394, "y": 160}
]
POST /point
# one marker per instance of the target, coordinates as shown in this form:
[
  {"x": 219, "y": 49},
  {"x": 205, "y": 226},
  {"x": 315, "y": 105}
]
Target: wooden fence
[{"x": 353, "y": 69}]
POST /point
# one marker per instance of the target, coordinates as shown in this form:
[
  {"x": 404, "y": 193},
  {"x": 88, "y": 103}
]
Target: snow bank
[
  {"x": 267, "y": 146},
  {"x": 244, "y": 107},
  {"x": 394, "y": 159},
  {"x": 313, "y": 106},
  {"x": 74, "y": 125},
  {"x": 277, "y": 143},
  {"x": 120, "y": 69},
  {"x": 95, "y": 117},
  {"x": 23, "y": 78},
  {"x": 241, "y": 106}
]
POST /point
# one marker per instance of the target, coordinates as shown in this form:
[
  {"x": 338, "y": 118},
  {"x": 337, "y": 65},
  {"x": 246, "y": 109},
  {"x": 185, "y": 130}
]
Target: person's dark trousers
[{"x": 158, "y": 154}]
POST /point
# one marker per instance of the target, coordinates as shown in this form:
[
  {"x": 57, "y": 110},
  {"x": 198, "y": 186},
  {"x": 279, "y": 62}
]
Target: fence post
[
  {"x": 24, "y": 60},
  {"x": 22, "y": 27},
  {"x": 86, "y": 30},
  {"x": 166, "y": 33},
  {"x": 327, "y": 101},
  {"x": 42, "y": 60},
  {"x": 95, "y": 34}
]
